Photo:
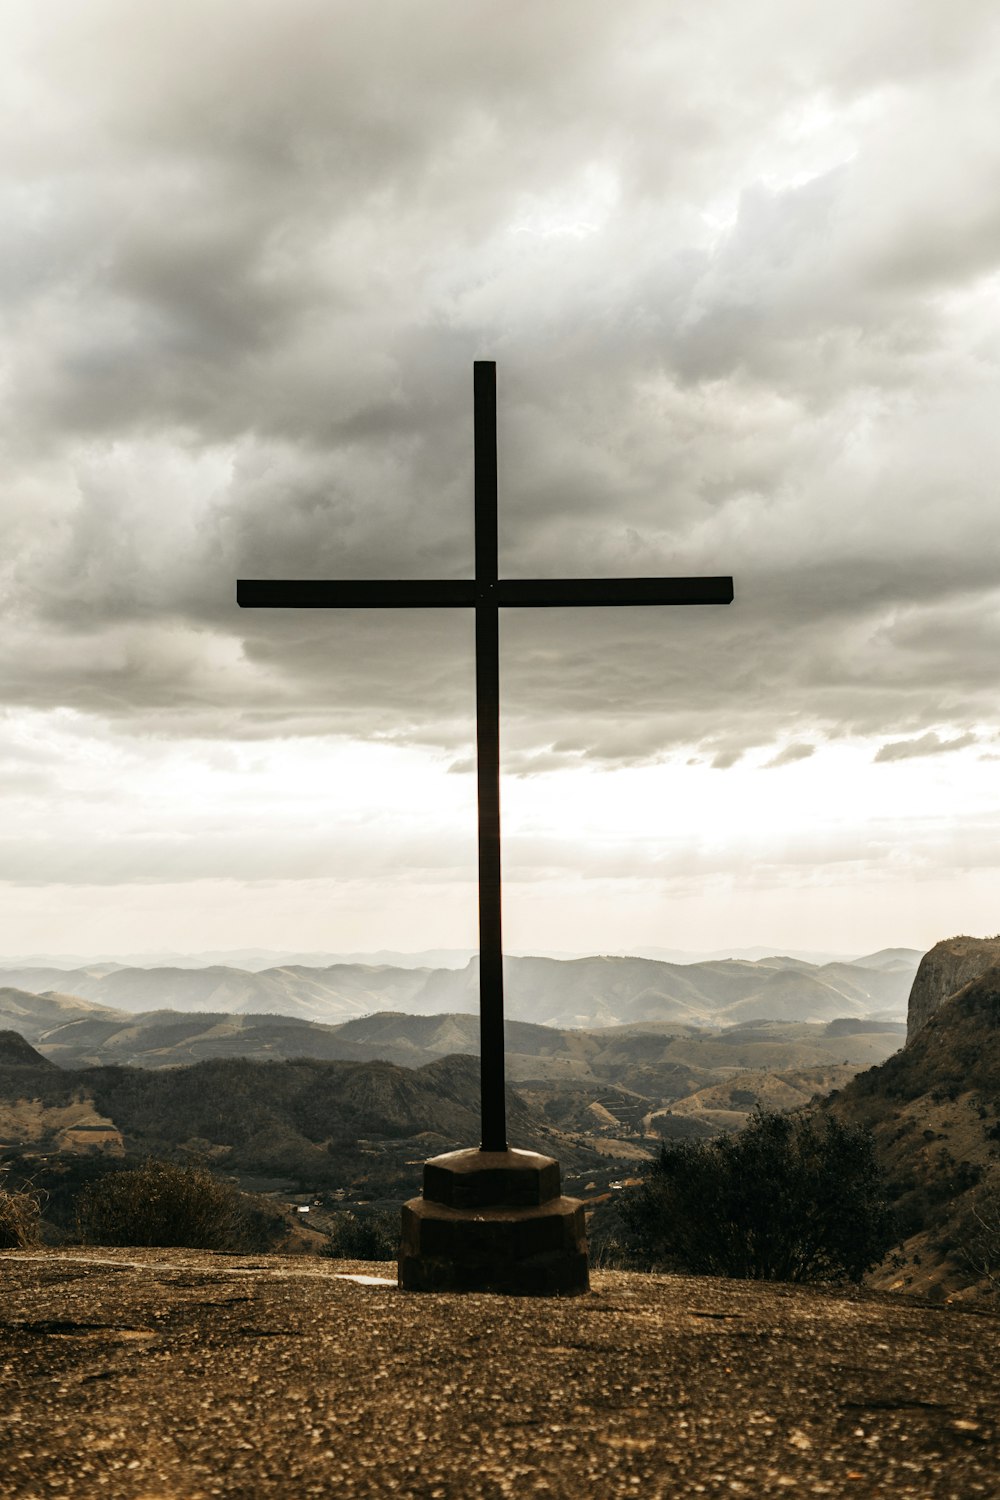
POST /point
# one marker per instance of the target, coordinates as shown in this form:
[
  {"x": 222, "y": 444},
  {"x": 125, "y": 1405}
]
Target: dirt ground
[{"x": 180, "y": 1375}]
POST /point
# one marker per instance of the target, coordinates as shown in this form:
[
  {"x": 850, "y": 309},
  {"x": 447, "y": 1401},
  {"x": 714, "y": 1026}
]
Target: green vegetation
[
  {"x": 160, "y": 1203},
  {"x": 20, "y": 1212},
  {"x": 365, "y": 1236},
  {"x": 787, "y": 1199}
]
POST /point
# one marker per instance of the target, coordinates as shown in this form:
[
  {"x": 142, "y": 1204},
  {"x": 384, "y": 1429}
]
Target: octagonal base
[
  {"x": 493, "y": 1221},
  {"x": 485, "y": 1179},
  {"x": 525, "y": 1251}
]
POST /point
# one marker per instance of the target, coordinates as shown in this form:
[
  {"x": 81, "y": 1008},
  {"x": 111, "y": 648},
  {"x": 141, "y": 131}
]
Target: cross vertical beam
[
  {"x": 491, "y": 1038},
  {"x": 486, "y": 593}
]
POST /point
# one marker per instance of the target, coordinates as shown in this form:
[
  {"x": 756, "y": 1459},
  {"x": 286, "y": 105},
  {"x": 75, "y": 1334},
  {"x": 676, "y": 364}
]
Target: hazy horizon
[{"x": 431, "y": 958}]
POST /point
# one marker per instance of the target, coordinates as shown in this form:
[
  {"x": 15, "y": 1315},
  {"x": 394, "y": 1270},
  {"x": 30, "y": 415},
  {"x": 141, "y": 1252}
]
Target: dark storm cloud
[{"x": 253, "y": 250}]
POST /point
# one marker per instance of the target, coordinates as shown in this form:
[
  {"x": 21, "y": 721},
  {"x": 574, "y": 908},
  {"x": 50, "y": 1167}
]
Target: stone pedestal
[{"x": 493, "y": 1221}]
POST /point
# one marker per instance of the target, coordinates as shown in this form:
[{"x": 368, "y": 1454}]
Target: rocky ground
[{"x": 148, "y": 1374}]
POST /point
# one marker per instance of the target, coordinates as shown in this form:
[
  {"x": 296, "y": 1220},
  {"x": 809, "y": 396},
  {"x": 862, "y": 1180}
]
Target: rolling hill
[
  {"x": 321, "y": 1123},
  {"x": 638, "y": 1036},
  {"x": 654, "y": 1057}
]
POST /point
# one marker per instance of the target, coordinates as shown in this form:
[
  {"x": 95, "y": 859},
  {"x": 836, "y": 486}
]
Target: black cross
[{"x": 485, "y": 593}]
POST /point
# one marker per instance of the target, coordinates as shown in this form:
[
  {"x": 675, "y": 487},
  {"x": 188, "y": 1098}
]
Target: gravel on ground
[{"x": 183, "y": 1375}]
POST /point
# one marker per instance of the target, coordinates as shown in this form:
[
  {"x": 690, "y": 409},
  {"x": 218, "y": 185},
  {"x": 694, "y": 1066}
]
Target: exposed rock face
[{"x": 948, "y": 967}]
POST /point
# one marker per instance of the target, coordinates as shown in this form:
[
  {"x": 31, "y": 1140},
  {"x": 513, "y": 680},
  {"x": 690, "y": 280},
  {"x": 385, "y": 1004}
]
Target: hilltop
[
  {"x": 136, "y": 1373},
  {"x": 943, "y": 971}
]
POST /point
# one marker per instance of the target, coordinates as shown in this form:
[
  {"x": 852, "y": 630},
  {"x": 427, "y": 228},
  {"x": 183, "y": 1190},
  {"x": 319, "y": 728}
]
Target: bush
[
  {"x": 361, "y": 1236},
  {"x": 979, "y": 1250},
  {"x": 159, "y": 1203},
  {"x": 787, "y": 1199},
  {"x": 20, "y": 1211}
]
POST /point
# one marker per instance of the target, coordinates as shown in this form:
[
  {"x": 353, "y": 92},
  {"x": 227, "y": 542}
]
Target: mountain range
[
  {"x": 361, "y": 1102},
  {"x": 256, "y": 959},
  {"x": 659, "y": 1038},
  {"x": 651, "y": 1057},
  {"x": 583, "y": 992}
]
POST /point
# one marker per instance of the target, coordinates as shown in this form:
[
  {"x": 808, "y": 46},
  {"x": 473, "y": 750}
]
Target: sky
[{"x": 738, "y": 265}]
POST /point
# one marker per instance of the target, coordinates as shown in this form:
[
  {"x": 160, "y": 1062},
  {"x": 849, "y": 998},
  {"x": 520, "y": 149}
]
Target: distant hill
[
  {"x": 605, "y": 1081},
  {"x": 790, "y": 995},
  {"x": 16, "y": 1053},
  {"x": 316, "y": 1122},
  {"x": 724, "y": 1105},
  {"x": 256, "y": 959},
  {"x": 655, "y": 1056},
  {"x": 585, "y": 992},
  {"x": 34, "y": 1013},
  {"x": 888, "y": 958},
  {"x": 637, "y": 1036}
]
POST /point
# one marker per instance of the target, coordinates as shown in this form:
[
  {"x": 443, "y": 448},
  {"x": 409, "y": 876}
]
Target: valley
[
  {"x": 95, "y": 1063},
  {"x": 330, "y": 1116}
]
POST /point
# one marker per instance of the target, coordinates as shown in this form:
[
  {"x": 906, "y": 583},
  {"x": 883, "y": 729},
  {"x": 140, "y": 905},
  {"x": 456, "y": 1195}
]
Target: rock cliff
[
  {"x": 934, "y": 1110},
  {"x": 947, "y": 968}
]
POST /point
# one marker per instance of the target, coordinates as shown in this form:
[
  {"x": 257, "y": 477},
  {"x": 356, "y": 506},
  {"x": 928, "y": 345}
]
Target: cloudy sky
[{"x": 738, "y": 266}]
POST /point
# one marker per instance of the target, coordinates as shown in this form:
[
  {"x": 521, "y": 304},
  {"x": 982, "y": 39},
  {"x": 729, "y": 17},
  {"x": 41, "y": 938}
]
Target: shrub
[
  {"x": 20, "y": 1211},
  {"x": 159, "y": 1203},
  {"x": 608, "y": 1251},
  {"x": 787, "y": 1199},
  {"x": 979, "y": 1249},
  {"x": 365, "y": 1236}
]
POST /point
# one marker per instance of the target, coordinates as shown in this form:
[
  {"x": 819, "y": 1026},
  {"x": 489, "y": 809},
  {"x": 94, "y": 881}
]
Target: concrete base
[{"x": 493, "y": 1221}]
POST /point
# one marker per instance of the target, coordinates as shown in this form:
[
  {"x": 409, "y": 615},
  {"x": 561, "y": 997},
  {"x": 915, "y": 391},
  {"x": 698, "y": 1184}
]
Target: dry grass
[
  {"x": 160, "y": 1203},
  {"x": 20, "y": 1212}
]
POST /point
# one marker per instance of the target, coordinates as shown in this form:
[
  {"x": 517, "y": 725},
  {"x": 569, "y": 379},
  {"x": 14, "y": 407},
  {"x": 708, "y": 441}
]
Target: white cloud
[
  {"x": 737, "y": 266},
  {"x": 927, "y": 744}
]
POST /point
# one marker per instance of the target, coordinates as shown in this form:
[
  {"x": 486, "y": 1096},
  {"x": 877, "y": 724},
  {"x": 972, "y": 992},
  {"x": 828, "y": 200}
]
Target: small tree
[
  {"x": 159, "y": 1203},
  {"x": 979, "y": 1251},
  {"x": 20, "y": 1212},
  {"x": 787, "y": 1199},
  {"x": 365, "y": 1236}
]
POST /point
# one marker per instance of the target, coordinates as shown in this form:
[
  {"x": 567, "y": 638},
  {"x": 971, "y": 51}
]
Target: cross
[{"x": 486, "y": 594}]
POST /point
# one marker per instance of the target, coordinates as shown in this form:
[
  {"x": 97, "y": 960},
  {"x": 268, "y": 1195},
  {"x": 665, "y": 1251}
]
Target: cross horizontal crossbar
[
  {"x": 447, "y": 593},
  {"x": 485, "y": 594}
]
